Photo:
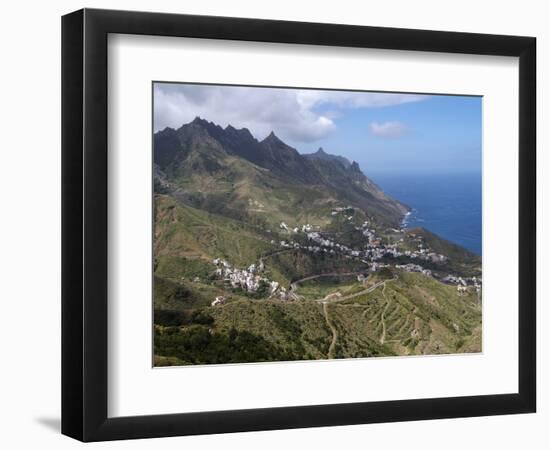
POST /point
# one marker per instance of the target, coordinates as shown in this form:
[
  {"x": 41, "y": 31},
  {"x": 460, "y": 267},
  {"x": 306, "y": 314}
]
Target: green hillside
[
  {"x": 187, "y": 233},
  {"x": 263, "y": 254},
  {"x": 409, "y": 315}
]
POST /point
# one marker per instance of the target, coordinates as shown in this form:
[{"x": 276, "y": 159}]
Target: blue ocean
[{"x": 446, "y": 204}]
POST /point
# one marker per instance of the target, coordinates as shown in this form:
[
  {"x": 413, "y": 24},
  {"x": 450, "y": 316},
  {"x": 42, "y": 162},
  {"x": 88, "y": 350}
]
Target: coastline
[{"x": 449, "y": 206}]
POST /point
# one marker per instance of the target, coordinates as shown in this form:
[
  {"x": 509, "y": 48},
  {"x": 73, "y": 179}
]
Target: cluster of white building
[
  {"x": 343, "y": 209},
  {"x": 464, "y": 283},
  {"x": 374, "y": 250},
  {"x": 318, "y": 239},
  {"x": 304, "y": 228},
  {"x": 425, "y": 255},
  {"x": 290, "y": 244},
  {"x": 414, "y": 268},
  {"x": 452, "y": 279},
  {"x": 218, "y": 301},
  {"x": 377, "y": 266},
  {"x": 250, "y": 279},
  {"x": 247, "y": 279}
]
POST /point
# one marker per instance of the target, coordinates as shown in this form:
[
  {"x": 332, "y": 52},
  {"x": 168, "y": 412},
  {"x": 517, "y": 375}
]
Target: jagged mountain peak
[
  {"x": 203, "y": 123},
  {"x": 242, "y": 132},
  {"x": 272, "y": 138},
  {"x": 201, "y": 148},
  {"x": 165, "y": 131},
  {"x": 237, "y": 135},
  {"x": 198, "y": 120},
  {"x": 323, "y": 155}
]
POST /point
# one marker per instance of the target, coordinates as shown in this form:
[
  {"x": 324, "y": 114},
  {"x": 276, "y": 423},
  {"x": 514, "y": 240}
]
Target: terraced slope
[{"x": 407, "y": 315}]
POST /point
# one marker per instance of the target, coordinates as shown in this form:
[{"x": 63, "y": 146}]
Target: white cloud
[
  {"x": 260, "y": 110},
  {"x": 388, "y": 129},
  {"x": 294, "y": 114},
  {"x": 349, "y": 99}
]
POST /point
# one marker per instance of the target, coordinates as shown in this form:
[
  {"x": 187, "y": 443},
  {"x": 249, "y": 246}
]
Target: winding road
[
  {"x": 325, "y": 303},
  {"x": 330, "y": 354},
  {"x": 383, "y": 316},
  {"x": 334, "y": 299},
  {"x": 294, "y": 284}
]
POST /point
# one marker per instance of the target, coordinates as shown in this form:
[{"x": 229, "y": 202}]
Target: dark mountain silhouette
[
  {"x": 321, "y": 154},
  {"x": 238, "y": 167}
]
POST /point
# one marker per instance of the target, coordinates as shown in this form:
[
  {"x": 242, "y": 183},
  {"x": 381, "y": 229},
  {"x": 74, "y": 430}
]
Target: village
[{"x": 375, "y": 255}]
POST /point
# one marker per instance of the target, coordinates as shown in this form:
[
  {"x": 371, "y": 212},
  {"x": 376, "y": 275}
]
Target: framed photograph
[{"x": 273, "y": 224}]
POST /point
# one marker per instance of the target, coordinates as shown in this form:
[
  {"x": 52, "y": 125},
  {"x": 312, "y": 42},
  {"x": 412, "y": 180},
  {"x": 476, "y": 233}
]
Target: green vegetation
[
  {"x": 421, "y": 316},
  {"x": 188, "y": 233},
  {"x": 412, "y": 314},
  {"x": 170, "y": 318},
  {"x": 197, "y": 345},
  {"x": 227, "y": 197},
  {"x": 295, "y": 264},
  {"x": 170, "y": 295},
  {"x": 298, "y": 329},
  {"x": 385, "y": 273},
  {"x": 323, "y": 286},
  {"x": 179, "y": 267},
  {"x": 461, "y": 261}
]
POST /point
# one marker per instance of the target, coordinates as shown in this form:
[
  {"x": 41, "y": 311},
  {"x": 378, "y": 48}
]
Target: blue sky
[
  {"x": 383, "y": 132},
  {"x": 441, "y": 133}
]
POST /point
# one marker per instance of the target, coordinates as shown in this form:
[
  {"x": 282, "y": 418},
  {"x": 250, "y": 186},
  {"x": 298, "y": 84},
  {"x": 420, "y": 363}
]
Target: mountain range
[
  {"x": 321, "y": 154},
  {"x": 243, "y": 173}
]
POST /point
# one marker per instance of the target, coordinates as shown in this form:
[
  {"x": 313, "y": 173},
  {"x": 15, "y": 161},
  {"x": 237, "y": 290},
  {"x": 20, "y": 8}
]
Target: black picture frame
[{"x": 84, "y": 224}]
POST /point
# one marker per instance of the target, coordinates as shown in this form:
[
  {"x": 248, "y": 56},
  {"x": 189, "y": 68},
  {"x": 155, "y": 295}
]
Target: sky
[{"x": 383, "y": 132}]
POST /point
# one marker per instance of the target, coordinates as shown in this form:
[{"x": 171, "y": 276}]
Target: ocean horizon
[{"x": 448, "y": 205}]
